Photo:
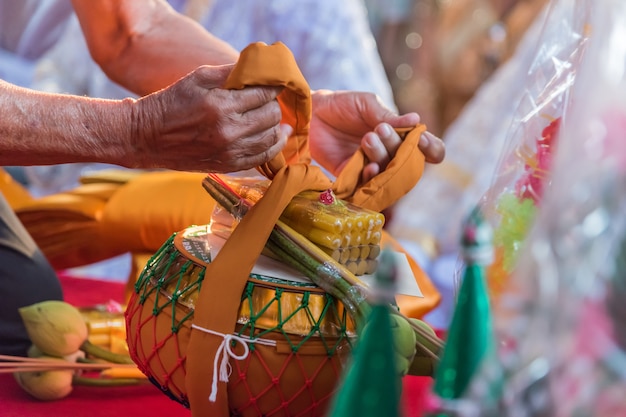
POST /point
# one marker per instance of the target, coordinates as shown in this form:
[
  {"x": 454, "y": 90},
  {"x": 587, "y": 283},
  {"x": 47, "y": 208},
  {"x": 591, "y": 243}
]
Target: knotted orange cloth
[{"x": 291, "y": 173}]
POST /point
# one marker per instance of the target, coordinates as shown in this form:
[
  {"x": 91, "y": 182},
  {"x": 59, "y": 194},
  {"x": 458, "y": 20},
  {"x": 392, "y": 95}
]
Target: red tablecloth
[{"x": 140, "y": 401}]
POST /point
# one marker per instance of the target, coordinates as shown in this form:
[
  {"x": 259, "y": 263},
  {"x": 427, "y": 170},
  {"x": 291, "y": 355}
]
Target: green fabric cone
[
  {"x": 371, "y": 386},
  {"x": 470, "y": 335}
]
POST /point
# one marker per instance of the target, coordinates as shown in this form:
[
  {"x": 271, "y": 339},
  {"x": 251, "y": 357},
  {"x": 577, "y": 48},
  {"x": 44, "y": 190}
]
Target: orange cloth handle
[
  {"x": 291, "y": 173},
  {"x": 261, "y": 64}
]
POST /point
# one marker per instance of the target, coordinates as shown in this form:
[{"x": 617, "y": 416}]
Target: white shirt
[
  {"x": 28, "y": 29},
  {"x": 330, "y": 40}
]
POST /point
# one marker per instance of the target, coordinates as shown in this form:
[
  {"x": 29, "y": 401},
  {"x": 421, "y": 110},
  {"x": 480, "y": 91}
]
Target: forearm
[
  {"x": 41, "y": 129},
  {"x": 146, "y": 45}
]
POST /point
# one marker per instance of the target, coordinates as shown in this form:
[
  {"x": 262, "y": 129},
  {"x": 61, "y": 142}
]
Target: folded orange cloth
[
  {"x": 13, "y": 192},
  {"x": 145, "y": 212}
]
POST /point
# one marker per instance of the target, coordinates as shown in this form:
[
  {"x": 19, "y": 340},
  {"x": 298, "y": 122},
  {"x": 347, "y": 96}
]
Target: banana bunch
[{"x": 423, "y": 363}]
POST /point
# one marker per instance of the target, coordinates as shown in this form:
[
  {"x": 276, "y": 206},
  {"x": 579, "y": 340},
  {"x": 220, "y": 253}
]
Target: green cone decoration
[
  {"x": 470, "y": 335},
  {"x": 371, "y": 385}
]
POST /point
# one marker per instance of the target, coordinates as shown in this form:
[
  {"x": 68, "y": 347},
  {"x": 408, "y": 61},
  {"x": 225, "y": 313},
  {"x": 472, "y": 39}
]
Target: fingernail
[
  {"x": 384, "y": 130},
  {"x": 424, "y": 139},
  {"x": 370, "y": 139},
  {"x": 431, "y": 136},
  {"x": 286, "y": 129}
]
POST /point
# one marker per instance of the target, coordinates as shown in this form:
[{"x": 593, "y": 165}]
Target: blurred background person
[
  {"x": 428, "y": 219},
  {"x": 331, "y": 42},
  {"x": 437, "y": 53}
]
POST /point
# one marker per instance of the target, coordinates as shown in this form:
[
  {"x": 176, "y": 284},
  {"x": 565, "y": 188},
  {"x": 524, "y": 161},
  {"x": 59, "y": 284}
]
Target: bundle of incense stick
[{"x": 11, "y": 364}]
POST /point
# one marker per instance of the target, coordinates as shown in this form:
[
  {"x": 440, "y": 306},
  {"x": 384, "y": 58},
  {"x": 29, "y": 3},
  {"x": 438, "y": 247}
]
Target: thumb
[
  {"x": 210, "y": 76},
  {"x": 374, "y": 111}
]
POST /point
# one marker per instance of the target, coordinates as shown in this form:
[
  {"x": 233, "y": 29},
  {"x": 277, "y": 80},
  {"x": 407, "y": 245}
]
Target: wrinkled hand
[
  {"x": 342, "y": 121},
  {"x": 194, "y": 125}
]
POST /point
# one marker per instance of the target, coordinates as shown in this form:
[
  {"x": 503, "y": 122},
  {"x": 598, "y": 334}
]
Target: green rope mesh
[{"x": 176, "y": 282}]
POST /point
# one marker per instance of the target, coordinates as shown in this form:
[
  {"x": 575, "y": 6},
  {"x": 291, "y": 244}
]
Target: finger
[
  {"x": 369, "y": 171},
  {"x": 374, "y": 149},
  {"x": 389, "y": 137},
  {"x": 209, "y": 76},
  {"x": 432, "y": 147},
  {"x": 250, "y": 98},
  {"x": 259, "y": 119},
  {"x": 277, "y": 137},
  {"x": 405, "y": 120},
  {"x": 375, "y": 111}
]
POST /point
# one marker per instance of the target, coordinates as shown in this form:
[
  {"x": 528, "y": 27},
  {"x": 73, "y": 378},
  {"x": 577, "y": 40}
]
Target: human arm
[
  {"x": 339, "y": 119},
  {"x": 145, "y": 45},
  {"x": 189, "y": 126}
]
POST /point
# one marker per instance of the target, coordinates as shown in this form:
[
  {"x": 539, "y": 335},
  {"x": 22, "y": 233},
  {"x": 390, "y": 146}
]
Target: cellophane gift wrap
[
  {"x": 225, "y": 342},
  {"x": 522, "y": 174},
  {"x": 561, "y": 319}
]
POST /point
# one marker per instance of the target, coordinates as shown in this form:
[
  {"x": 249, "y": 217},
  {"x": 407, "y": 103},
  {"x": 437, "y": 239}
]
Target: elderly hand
[
  {"x": 195, "y": 126},
  {"x": 343, "y": 121}
]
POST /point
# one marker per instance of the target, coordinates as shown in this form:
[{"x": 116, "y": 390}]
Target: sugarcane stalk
[{"x": 100, "y": 353}]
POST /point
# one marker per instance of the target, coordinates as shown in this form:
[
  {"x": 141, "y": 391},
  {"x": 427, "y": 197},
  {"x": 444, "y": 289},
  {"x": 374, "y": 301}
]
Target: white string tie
[{"x": 225, "y": 352}]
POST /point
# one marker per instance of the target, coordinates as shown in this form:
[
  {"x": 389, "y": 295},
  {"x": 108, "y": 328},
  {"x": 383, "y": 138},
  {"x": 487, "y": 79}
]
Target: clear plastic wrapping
[
  {"x": 523, "y": 171},
  {"x": 560, "y": 319}
]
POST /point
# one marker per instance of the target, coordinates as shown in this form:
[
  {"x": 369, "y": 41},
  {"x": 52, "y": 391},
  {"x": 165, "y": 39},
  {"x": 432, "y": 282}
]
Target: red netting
[{"x": 298, "y": 336}]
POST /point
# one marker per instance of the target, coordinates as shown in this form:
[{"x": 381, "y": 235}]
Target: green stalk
[
  {"x": 101, "y": 353},
  {"x": 107, "y": 382},
  {"x": 311, "y": 270},
  {"x": 330, "y": 278}
]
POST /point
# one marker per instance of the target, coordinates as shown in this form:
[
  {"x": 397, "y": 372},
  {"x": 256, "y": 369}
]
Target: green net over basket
[{"x": 290, "y": 341}]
